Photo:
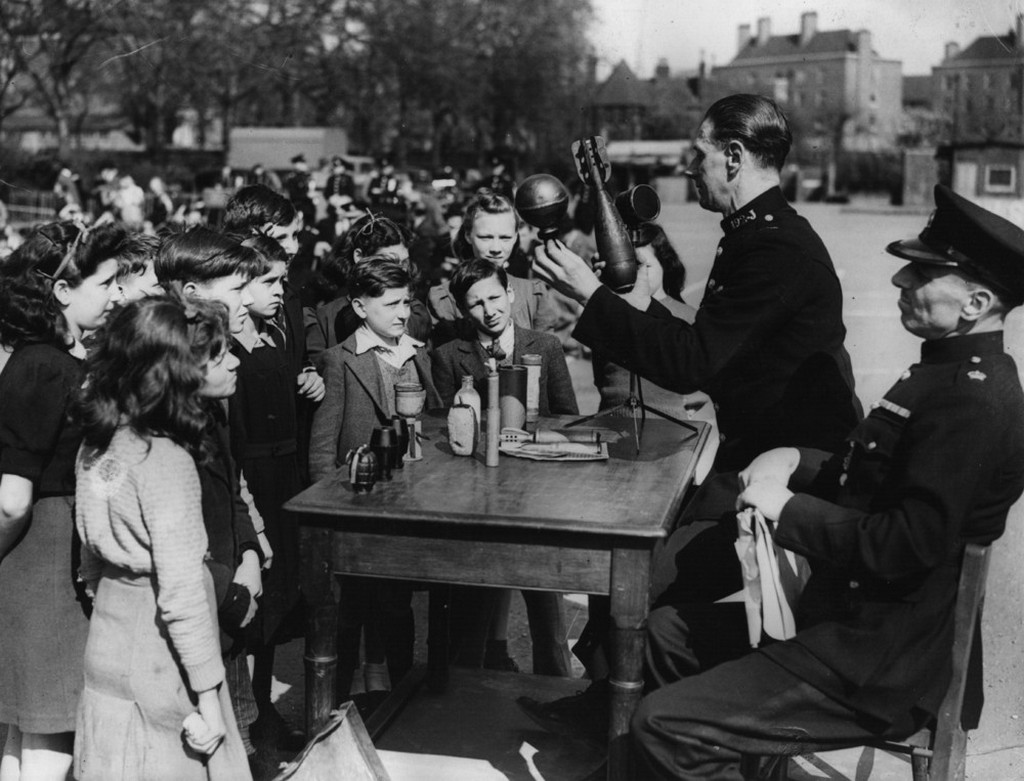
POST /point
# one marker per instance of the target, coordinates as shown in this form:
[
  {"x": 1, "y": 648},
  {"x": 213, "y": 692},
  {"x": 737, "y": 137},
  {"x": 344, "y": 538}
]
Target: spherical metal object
[{"x": 542, "y": 201}]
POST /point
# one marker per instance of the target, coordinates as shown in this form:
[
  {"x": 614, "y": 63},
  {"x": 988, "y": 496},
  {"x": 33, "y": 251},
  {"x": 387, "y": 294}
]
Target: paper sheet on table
[{"x": 556, "y": 451}]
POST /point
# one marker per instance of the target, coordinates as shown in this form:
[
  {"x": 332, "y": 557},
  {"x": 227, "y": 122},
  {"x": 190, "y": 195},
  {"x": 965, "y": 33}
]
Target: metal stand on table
[{"x": 634, "y": 403}]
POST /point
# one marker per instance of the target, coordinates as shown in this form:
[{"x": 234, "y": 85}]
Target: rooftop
[
  {"x": 989, "y": 47},
  {"x": 623, "y": 88},
  {"x": 824, "y": 42}
]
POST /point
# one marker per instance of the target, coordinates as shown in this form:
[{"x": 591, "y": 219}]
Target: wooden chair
[{"x": 937, "y": 752}]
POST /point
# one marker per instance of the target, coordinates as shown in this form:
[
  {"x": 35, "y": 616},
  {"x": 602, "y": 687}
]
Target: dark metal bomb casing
[
  {"x": 614, "y": 246},
  {"x": 542, "y": 202}
]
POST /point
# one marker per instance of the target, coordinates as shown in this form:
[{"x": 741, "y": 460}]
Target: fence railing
[{"x": 31, "y": 206}]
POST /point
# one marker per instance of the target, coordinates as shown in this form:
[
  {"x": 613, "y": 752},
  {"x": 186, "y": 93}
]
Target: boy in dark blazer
[{"x": 484, "y": 296}]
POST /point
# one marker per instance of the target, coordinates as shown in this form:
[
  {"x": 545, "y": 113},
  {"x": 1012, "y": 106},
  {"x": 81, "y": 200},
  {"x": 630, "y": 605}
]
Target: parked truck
[{"x": 274, "y": 147}]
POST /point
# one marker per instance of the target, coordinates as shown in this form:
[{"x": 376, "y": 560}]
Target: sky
[{"x": 913, "y": 31}]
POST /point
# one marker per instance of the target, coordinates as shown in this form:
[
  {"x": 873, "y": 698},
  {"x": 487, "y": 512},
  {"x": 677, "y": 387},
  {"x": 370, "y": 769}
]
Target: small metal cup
[{"x": 384, "y": 445}]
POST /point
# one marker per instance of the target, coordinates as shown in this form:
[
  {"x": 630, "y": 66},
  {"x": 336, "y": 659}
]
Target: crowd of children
[{"x": 162, "y": 398}]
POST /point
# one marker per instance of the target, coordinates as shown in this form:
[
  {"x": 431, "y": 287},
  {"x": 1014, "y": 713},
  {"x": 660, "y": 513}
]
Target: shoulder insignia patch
[
  {"x": 895, "y": 409},
  {"x": 976, "y": 375}
]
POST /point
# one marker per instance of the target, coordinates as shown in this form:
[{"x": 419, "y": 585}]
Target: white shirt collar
[
  {"x": 396, "y": 355},
  {"x": 259, "y": 337}
]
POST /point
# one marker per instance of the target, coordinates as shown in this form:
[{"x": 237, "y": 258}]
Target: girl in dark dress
[
  {"x": 264, "y": 433},
  {"x": 54, "y": 290}
]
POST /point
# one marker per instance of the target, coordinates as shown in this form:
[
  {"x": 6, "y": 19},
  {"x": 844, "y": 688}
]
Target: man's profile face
[
  {"x": 708, "y": 171},
  {"x": 932, "y": 299}
]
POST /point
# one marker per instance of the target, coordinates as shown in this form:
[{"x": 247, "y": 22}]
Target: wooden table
[{"x": 585, "y": 527}]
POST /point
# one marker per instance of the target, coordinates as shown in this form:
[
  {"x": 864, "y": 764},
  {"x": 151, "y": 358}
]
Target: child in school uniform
[
  {"x": 257, "y": 210},
  {"x": 486, "y": 299},
  {"x": 200, "y": 263},
  {"x": 264, "y": 442},
  {"x": 490, "y": 231},
  {"x": 360, "y": 375}
]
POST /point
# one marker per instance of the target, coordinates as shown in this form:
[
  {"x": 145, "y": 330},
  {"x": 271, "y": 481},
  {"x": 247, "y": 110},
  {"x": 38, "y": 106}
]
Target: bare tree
[{"x": 55, "y": 43}]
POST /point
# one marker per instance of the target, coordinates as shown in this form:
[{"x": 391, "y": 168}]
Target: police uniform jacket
[
  {"x": 339, "y": 184},
  {"x": 766, "y": 344},
  {"x": 937, "y": 463}
]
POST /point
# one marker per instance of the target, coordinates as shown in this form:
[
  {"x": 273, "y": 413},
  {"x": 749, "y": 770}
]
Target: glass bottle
[{"x": 469, "y": 396}]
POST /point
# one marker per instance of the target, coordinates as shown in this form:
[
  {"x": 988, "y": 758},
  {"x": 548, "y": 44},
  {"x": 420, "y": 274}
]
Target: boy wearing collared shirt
[
  {"x": 360, "y": 375},
  {"x": 484, "y": 296}
]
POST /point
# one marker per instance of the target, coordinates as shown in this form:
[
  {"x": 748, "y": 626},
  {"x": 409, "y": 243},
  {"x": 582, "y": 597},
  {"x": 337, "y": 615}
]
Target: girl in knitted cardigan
[{"x": 154, "y": 704}]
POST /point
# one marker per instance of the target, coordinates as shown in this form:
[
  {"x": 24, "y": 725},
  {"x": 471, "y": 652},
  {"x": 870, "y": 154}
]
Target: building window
[
  {"x": 1000, "y": 178},
  {"x": 781, "y": 89}
]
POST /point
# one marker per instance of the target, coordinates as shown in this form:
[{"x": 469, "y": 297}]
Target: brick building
[
  {"x": 628, "y": 108},
  {"x": 833, "y": 85},
  {"x": 980, "y": 95}
]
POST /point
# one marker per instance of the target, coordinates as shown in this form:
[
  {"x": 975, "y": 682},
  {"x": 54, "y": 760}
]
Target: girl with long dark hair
[{"x": 138, "y": 510}]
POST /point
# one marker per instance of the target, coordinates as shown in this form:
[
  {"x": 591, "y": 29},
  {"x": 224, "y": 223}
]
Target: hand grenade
[{"x": 362, "y": 468}]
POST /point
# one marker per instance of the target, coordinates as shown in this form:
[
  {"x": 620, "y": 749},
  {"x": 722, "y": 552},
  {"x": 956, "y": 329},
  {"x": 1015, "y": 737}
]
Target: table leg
[
  {"x": 319, "y": 587},
  {"x": 630, "y": 582},
  {"x": 438, "y": 614}
]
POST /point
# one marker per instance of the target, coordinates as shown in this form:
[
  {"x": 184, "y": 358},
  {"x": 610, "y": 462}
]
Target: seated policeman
[{"x": 936, "y": 464}]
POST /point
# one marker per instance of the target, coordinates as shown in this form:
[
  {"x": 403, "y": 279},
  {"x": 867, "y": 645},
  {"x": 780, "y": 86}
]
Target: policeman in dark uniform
[
  {"x": 340, "y": 181},
  {"x": 936, "y": 464},
  {"x": 766, "y": 345},
  {"x": 297, "y": 186}
]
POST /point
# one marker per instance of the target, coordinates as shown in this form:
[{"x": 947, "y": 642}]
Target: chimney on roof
[
  {"x": 743, "y": 37},
  {"x": 808, "y": 26},
  {"x": 764, "y": 30},
  {"x": 952, "y": 50},
  {"x": 864, "y": 41},
  {"x": 1019, "y": 30},
  {"x": 661, "y": 70}
]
